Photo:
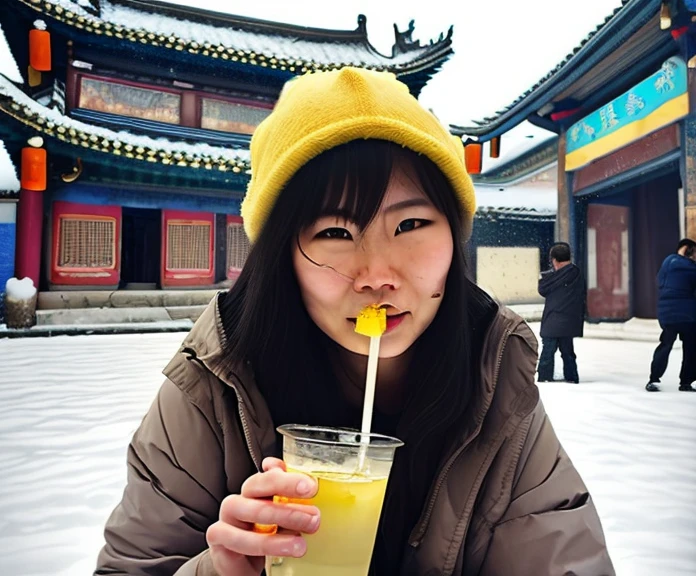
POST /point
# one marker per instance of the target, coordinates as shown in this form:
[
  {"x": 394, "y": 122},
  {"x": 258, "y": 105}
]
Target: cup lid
[{"x": 337, "y": 436}]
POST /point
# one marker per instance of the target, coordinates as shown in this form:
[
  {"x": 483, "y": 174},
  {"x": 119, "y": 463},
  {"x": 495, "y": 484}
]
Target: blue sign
[{"x": 637, "y": 104}]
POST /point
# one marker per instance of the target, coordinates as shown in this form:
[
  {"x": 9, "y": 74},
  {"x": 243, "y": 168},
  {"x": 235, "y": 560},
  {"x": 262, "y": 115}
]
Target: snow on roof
[
  {"x": 8, "y": 65},
  {"x": 120, "y": 139},
  {"x": 8, "y": 174},
  {"x": 76, "y": 7},
  {"x": 539, "y": 199},
  {"x": 281, "y": 47},
  {"x": 517, "y": 142},
  {"x": 320, "y": 52}
]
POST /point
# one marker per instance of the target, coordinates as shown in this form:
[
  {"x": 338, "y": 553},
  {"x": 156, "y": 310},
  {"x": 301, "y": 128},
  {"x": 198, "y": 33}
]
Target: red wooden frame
[
  {"x": 184, "y": 278},
  {"x": 79, "y": 276},
  {"x": 189, "y": 115},
  {"x": 232, "y": 273}
]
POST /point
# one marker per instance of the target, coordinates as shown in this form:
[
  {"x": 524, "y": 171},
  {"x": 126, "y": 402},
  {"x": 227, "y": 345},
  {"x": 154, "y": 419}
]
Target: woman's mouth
[{"x": 393, "y": 321}]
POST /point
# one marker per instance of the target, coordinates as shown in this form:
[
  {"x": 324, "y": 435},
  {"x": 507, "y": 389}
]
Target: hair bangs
[{"x": 349, "y": 182}]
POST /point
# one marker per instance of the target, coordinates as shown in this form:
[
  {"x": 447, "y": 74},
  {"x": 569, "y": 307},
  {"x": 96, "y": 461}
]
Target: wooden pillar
[
  {"x": 563, "y": 210},
  {"x": 30, "y": 214},
  {"x": 29, "y": 224},
  {"x": 688, "y": 163}
]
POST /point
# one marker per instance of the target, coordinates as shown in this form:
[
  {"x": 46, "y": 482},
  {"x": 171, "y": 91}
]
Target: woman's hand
[{"x": 235, "y": 549}]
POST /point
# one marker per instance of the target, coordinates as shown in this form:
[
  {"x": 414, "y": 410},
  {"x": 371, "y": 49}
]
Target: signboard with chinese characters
[{"x": 657, "y": 101}]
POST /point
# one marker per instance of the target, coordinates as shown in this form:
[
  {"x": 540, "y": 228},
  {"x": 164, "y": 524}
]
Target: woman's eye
[
  {"x": 335, "y": 234},
  {"x": 410, "y": 224}
]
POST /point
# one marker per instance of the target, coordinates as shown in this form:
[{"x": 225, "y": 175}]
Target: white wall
[{"x": 510, "y": 275}]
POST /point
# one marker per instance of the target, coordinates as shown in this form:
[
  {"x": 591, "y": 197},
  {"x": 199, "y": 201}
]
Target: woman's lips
[{"x": 394, "y": 321}]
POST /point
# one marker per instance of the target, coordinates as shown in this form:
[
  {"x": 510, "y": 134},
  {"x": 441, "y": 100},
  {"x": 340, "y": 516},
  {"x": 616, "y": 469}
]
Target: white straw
[{"x": 369, "y": 402}]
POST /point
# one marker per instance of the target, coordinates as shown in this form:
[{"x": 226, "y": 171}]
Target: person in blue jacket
[{"x": 676, "y": 312}]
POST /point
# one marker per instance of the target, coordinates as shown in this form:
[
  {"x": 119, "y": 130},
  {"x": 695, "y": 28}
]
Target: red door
[{"x": 608, "y": 257}]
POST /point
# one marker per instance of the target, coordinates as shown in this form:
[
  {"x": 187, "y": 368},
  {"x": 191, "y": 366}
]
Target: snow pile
[
  {"x": 39, "y": 24},
  {"x": 20, "y": 303},
  {"x": 20, "y": 289}
]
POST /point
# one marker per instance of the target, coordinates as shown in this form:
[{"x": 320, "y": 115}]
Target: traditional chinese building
[
  {"x": 514, "y": 224},
  {"x": 623, "y": 104},
  {"x": 130, "y": 131}
]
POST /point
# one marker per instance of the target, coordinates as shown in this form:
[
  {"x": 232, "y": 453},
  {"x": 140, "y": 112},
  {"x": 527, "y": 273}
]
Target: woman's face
[{"x": 400, "y": 261}]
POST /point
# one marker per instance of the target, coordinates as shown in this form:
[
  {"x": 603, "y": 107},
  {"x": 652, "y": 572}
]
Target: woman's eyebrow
[{"x": 411, "y": 203}]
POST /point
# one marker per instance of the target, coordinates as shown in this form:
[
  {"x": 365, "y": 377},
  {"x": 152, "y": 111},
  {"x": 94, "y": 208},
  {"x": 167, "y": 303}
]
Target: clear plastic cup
[{"x": 352, "y": 471}]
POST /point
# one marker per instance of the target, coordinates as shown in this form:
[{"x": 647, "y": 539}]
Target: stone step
[
  {"x": 132, "y": 315},
  {"x": 123, "y": 299},
  {"x": 93, "y": 329}
]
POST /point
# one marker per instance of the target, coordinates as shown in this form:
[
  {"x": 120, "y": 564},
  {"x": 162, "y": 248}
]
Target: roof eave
[
  {"x": 627, "y": 22},
  {"x": 433, "y": 52}
]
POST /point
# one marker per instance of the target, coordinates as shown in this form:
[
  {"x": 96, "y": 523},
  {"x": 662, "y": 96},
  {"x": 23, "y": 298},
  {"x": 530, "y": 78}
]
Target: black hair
[
  {"x": 690, "y": 246},
  {"x": 265, "y": 321},
  {"x": 560, "y": 252}
]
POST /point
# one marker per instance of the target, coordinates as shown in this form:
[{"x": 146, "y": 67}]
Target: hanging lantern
[
  {"x": 40, "y": 50},
  {"x": 33, "y": 168},
  {"x": 495, "y": 147},
  {"x": 474, "y": 157}
]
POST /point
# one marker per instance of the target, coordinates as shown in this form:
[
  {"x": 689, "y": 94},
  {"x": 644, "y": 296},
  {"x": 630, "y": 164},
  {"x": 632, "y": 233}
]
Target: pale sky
[{"x": 502, "y": 47}]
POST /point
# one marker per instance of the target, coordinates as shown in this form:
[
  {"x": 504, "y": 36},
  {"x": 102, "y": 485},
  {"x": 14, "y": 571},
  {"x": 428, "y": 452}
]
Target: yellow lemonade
[{"x": 350, "y": 508}]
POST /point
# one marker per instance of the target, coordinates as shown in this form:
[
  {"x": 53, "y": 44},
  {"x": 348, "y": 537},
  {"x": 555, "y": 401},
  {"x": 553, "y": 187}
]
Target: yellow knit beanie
[{"x": 322, "y": 110}]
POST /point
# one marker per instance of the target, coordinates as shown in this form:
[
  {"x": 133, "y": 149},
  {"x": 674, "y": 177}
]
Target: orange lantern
[
  {"x": 474, "y": 157},
  {"x": 40, "y": 50},
  {"x": 33, "y": 169}
]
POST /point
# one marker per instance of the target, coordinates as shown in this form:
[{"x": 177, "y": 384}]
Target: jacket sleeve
[
  {"x": 551, "y": 525},
  {"x": 662, "y": 273},
  {"x": 545, "y": 283},
  {"x": 174, "y": 489}
]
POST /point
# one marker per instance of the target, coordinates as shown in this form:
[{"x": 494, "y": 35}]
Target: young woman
[{"x": 358, "y": 196}]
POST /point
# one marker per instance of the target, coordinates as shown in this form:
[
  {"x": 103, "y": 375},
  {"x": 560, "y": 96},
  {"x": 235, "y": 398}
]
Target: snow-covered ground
[{"x": 68, "y": 406}]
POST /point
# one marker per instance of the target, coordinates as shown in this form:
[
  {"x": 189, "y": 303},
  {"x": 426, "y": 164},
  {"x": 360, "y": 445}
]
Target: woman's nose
[{"x": 375, "y": 271}]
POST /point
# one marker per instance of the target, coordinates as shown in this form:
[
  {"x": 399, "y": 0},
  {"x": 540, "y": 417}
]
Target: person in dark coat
[
  {"x": 563, "y": 287},
  {"x": 676, "y": 312}
]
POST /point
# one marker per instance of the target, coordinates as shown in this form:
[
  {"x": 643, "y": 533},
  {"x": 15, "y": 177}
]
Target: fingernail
[
  {"x": 304, "y": 486},
  {"x": 298, "y": 549},
  {"x": 314, "y": 522}
]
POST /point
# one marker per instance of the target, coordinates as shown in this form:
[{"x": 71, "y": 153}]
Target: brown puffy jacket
[{"x": 506, "y": 501}]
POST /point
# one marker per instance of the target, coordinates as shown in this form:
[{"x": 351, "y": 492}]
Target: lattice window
[
  {"x": 237, "y": 246},
  {"x": 188, "y": 245},
  {"x": 86, "y": 242}
]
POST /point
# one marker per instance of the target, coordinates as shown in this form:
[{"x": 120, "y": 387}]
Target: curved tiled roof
[
  {"x": 628, "y": 9},
  {"x": 14, "y": 103},
  {"x": 284, "y": 47}
]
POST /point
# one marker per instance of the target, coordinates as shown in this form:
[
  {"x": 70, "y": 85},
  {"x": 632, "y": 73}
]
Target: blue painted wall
[
  {"x": 7, "y": 260},
  {"x": 103, "y": 195}
]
